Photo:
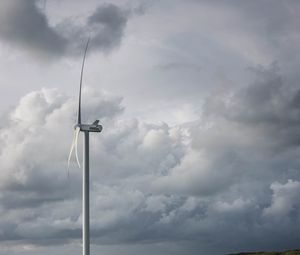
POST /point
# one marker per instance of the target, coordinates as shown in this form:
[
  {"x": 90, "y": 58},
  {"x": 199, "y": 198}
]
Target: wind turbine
[{"x": 86, "y": 129}]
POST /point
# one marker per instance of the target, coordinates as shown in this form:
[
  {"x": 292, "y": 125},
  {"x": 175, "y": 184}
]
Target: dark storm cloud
[
  {"x": 269, "y": 104},
  {"x": 25, "y": 26},
  {"x": 248, "y": 137},
  {"x": 108, "y": 22}
]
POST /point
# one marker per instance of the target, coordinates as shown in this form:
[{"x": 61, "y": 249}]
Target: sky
[{"x": 200, "y": 106}]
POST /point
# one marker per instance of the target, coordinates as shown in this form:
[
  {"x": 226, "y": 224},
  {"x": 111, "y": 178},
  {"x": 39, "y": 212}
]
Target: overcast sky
[{"x": 200, "y": 104}]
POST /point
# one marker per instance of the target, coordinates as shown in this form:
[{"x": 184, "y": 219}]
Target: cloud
[
  {"x": 179, "y": 66},
  {"x": 284, "y": 200},
  {"x": 108, "y": 22},
  {"x": 231, "y": 175},
  {"x": 228, "y": 181},
  {"x": 25, "y": 26},
  {"x": 267, "y": 108}
]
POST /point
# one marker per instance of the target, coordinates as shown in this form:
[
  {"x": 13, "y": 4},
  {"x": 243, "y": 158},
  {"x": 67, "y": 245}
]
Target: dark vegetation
[{"x": 293, "y": 252}]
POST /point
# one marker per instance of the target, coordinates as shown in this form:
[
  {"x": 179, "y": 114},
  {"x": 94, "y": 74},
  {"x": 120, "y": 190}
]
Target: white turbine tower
[{"x": 86, "y": 129}]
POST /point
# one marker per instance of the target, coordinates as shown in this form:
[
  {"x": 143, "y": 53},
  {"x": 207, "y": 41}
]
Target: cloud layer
[
  {"x": 223, "y": 179},
  {"x": 228, "y": 180}
]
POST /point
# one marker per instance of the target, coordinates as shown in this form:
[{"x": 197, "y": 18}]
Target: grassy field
[{"x": 294, "y": 252}]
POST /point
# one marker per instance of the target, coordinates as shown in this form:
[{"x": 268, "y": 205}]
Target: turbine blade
[
  {"x": 71, "y": 152},
  {"x": 80, "y": 86},
  {"x": 72, "y": 148},
  {"x": 76, "y": 146}
]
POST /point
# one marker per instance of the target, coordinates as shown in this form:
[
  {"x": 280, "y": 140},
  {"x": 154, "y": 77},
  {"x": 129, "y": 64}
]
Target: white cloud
[{"x": 285, "y": 200}]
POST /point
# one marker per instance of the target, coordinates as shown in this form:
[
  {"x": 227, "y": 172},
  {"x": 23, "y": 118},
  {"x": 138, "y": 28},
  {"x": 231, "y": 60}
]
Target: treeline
[{"x": 292, "y": 252}]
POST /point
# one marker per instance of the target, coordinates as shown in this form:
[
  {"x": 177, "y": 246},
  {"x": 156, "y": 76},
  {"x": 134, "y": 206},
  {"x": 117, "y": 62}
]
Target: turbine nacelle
[{"x": 95, "y": 127}]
